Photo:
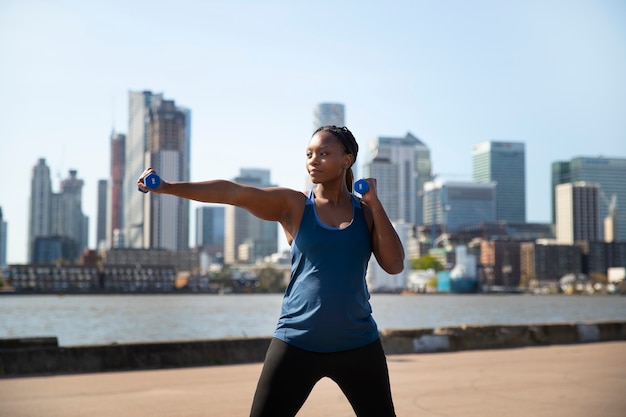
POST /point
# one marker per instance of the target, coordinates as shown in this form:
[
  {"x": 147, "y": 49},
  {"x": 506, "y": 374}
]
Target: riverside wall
[{"x": 43, "y": 356}]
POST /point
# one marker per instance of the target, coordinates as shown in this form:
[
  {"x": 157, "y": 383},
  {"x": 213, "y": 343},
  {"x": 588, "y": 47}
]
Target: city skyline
[{"x": 454, "y": 75}]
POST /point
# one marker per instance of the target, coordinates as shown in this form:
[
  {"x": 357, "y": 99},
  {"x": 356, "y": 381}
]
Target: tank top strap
[{"x": 356, "y": 202}]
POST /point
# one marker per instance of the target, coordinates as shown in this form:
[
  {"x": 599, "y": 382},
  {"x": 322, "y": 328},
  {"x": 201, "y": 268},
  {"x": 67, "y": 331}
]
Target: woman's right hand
[{"x": 140, "y": 182}]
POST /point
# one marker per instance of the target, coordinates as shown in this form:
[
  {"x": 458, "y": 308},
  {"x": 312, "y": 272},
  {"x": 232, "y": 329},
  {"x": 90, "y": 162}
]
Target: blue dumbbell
[
  {"x": 361, "y": 186},
  {"x": 151, "y": 181}
]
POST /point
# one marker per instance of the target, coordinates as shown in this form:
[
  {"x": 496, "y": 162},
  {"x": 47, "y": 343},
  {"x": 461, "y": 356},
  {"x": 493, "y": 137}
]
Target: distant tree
[
  {"x": 271, "y": 280},
  {"x": 224, "y": 277},
  {"x": 426, "y": 262}
]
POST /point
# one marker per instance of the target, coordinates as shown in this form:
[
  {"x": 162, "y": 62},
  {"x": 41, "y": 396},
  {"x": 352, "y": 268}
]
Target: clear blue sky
[{"x": 549, "y": 73}]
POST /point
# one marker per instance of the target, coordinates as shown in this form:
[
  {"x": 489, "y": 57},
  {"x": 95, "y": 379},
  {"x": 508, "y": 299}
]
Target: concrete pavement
[{"x": 574, "y": 380}]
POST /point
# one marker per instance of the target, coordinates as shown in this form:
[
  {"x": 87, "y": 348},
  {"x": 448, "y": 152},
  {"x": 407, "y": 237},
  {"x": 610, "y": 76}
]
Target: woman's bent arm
[{"x": 386, "y": 244}]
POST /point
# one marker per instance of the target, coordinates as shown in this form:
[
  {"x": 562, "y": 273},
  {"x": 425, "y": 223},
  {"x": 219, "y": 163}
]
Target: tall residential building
[
  {"x": 505, "y": 164},
  {"x": 166, "y": 218},
  {"x": 40, "y": 205},
  {"x": 609, "y": 174},
  {"x": 3, "y": 241},
  {"x": 325, "y": 114},
  {"x": 68, "y": 218},
  {"x": 159, "y": 137},
  {"x": 115, "y": 197},
  {"x": 401, "y": 165},
  {"x": 56, "y": 220},
  {"x": 139, "y": 104},
  {"x": 451, "y": 205},
  {"x": 210, "y": 229},
  {"x": 577, "y": 212},
  {"x": 424, "y": 175},
  {"x": 101, "y": 215},
  {"x": 246, "y": 237}
]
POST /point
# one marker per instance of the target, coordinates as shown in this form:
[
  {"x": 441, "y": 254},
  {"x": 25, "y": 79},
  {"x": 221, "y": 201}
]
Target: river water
[{"x": 95, "y": 320}]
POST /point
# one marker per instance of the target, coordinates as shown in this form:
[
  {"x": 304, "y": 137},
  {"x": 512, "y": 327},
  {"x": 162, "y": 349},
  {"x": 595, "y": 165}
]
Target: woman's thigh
[
  {"x": 363, "y": 376},
  {"x": 287, "y": 378}
]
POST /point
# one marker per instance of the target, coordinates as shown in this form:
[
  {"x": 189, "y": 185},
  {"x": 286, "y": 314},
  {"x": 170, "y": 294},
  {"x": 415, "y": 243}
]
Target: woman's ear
[{"x": 347, "y": 160}]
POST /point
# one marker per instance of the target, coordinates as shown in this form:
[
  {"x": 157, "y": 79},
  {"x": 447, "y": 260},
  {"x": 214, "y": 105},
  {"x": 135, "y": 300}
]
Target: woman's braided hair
[{"x": 350, "y": 146}]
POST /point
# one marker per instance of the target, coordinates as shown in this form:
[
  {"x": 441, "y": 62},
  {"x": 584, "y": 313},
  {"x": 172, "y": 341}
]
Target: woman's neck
[{"x": 332, "y": 195}]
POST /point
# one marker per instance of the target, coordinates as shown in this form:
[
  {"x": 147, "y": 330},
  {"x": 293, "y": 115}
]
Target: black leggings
[{"x": 289, "y": 375}]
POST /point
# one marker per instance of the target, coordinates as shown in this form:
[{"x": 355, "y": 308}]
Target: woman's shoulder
[
  {"x": 293, "y": 194},
  {"x": 288, "y": 192},
  {"x": 292, "y": 198}
]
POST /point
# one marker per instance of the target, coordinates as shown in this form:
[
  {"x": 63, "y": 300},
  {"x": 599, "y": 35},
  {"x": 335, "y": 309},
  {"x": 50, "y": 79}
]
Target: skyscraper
[
  {"x": 505, "y": 164},
  {"x": 139, "y": 104},
  {"x": 400, "y": 165},
  {"x": 577, "y": 214},
  {"x": 397, "y": 164},
  {"x": 115, "y": 206},
  {"x": 56, "y": 219},
  {"x": 101, "y": 215},
  {"x": 166, "y": 221},
  {"x": 40, "y": 205},
  {"x": 609, "y": 174},
  {"x": 159, "y": 137},
  {"x": 454, "y": 204},
  {"x": 210, "y": 229},
  {"x": 325, "y": 114},
  {"x": 246, "y": 237},
  {"x": 68, "y": 218},
  {"x": 424, "y": 175}
]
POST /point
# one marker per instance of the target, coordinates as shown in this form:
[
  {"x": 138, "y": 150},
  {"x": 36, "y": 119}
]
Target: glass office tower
[{"x": 505, "y": 164}]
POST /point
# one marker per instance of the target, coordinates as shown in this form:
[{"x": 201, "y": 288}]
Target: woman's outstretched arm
[{"x": 273, "y": 204}]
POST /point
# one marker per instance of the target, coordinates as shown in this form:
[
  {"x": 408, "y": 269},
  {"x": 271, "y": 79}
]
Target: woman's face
[{"x": 326, "y": 158}]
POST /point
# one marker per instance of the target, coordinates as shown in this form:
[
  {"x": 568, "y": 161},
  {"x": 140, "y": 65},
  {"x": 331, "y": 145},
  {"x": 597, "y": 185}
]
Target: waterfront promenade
[{"x": 573, "y": 380}]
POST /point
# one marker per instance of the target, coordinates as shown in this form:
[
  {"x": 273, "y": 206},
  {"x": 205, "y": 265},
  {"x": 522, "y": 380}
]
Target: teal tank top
[{"x": 326, "y": 305}]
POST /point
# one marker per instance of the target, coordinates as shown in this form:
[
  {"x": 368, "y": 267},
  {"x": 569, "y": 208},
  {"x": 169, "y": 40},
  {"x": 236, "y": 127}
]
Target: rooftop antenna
[{"x": 112, "y": 114}]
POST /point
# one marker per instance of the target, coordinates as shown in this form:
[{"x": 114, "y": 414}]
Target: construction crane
[
  {"x": 612, "y": 206},
  {"x": 610, "y": 221}
]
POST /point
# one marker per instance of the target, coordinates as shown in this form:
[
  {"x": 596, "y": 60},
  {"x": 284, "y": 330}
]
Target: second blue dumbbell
[
  {"x": 151, "y": 181},
  {"x": 361, "y": 186}
]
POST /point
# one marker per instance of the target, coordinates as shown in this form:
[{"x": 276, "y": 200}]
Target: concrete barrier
[
  {"x": 496, "y": 337},
  {"x": 30, "y": 359},
  {"x": 43, "y": 356}
]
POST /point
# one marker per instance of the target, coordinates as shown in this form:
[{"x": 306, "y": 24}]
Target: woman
[{"x": 325, "y": 328}]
